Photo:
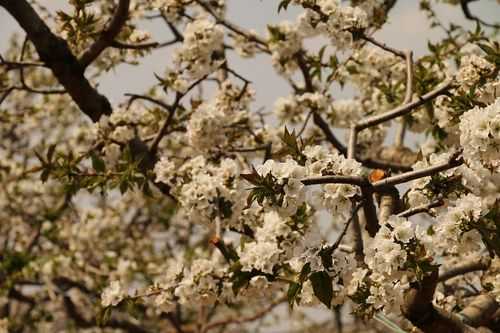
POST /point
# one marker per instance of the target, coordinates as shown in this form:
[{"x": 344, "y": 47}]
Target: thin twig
[
  {"x": 242, "y": 320},
  {"x": 346, "y": 225},
  {"x": 234, "y": 28},
  {"x": 384, "y": 46},
  {"x": 421, "y": 209}
]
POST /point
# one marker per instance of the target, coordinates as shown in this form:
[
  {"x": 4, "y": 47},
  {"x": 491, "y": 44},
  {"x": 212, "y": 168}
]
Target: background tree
[{"x": 189, "y": 209}]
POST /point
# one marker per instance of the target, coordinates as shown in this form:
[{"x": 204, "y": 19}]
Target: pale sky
[{"x": 407, "y": 29}]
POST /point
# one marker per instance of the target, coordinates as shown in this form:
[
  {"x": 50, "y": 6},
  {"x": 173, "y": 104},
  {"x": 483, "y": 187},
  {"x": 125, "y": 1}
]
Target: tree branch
[
  {"x": 421, "y": 209},
  {"x": 55, "y": 53},
  {"x": 464, "y": 268},
  {"x": 467, "y": 13},
  {"x": 368, "y": 162},
  {"x": 403, "y": 109},
  {"x": 353, "y": 180},
  {"x": 384, "y": 46},
  {"x": 400, "y": 134},
  {"x": 242, "y": 320},
  {"x": 479, "y": 311},
  {"x": 107, "y": 37},
  {"x": 234, "y": 28},
  {"x": 454, "y": 161}
]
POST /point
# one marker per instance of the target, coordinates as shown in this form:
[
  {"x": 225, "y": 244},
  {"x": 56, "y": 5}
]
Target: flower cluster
[
  {"x": 200, "y": 54},
  {"x": 334, "y": 20},
  {"x": 113, "y": 294},
  {"x": 473, "y": 68},
  {"x": 456, "y": 227},
  {"x": 211, "y": 126},
  {"x": 206, "y": 191},
  {"x": 284, "y": 42},
  {"x": 422, "y": 190},
  {"x": 390, "y": 259},
  {"x": 480, "y": 135},
  {"x": 295, "y": 108},
  {"x": 287, "y": 176},
  {"x": 334, "y": 197}
]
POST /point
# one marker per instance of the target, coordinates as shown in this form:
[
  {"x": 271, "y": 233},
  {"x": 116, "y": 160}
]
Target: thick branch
[
  {"x": 407, "y": 176},
  {"x": 467, "y": 267},
  {"x": 389, "y": 203},
  {"x": 479, "y": 311},
  {"x": 55, "y": 53},
  {"x": 418, "y": 308},
  {"x": 107, "y": 37}
]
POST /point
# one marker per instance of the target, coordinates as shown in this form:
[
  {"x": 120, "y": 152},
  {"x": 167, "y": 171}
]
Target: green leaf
[
  {"x": 293, "y": 291},
  {"x": 227, "y": 250},
  {"x": 488, "y": 50},
  {"x": 50, "y": 153},
  {"x": 45, "y": 175},
  {"x": 97, "y": 163},
  {"x": 241, "y": 279},
  {"x": 104, "y": 315},
  {"x": 13, "y": 262},
  {"x": 326, "y": 256},
  {"x": 304, "y": 273},
  {"x": 253, "y": 178},
  {"x": 132, "y": 307},
  {"x": 124, "y": 185},
  {"x": 293, "y": 148},
  {"x": 322, "y": 287}
]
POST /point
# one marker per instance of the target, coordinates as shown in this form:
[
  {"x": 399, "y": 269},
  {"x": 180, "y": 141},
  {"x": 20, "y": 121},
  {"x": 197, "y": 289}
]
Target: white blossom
[{"x": 113, "y": 294}]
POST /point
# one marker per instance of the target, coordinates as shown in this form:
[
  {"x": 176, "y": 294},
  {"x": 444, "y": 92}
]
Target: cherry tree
[{"x": 187, "y": 208}]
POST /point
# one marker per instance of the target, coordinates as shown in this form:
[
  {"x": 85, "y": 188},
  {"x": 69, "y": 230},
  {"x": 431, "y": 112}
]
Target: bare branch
[
  {"x": 400, "y": 134},
  {"x": 145, "y": 46},
  {"x": 383, "y": 46},
  {"x": 134, "y": 97},
  {"x": 353, "y": 180},
  {"x": 479, "y": 311},
  {"x": 403, "y": 109},
  {"x": 234, "y": 28},
  {"x": 467, "y": 267},
  {"x": 454, "y": 161},
  {"x": 421, "y": 209},
  {"x": 242, "y": 320},
  {"x": 347, "y": 224},
  {"x": 322, "y": 124},
  {"x": 368, "y": 162},
  {"x": 353, "y": 138},
  {"x": 465, "y": 8}
]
